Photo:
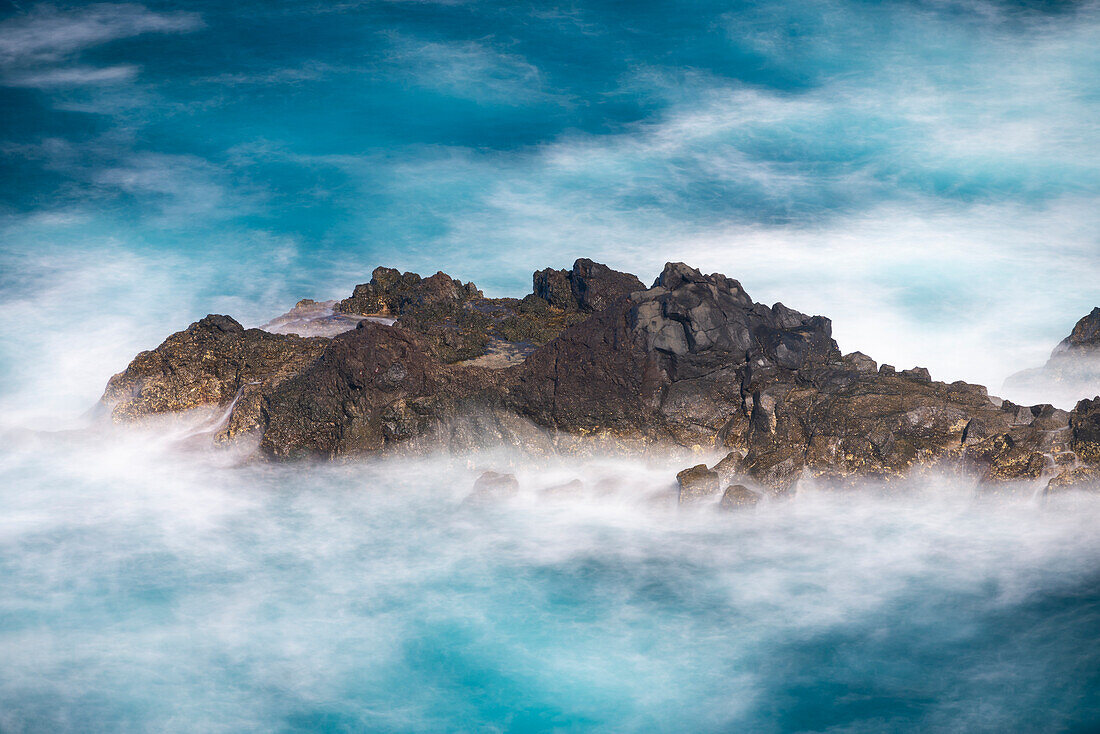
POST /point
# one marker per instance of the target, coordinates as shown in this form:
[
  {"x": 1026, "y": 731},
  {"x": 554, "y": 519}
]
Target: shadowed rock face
[
  {"x": 691, "y": 361},
  {"x": 361, "y": 392}
]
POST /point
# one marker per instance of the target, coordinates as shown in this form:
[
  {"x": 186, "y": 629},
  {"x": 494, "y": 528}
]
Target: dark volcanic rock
[
  {"x": 1085, "y": 336},
  {"x": 697, "y": 483},
  {"x": 589, "y": 286},
  {"x": 596, "y": 286},
  {"x": 438, "y": 308},
  {"x": 492, "y": 486},
  {"x": 738, "y": 497},
  {"x": 210, "y": 363},
  {"x": 691, "y": 361},
  {"x": 838, "y": 424},
  {"x": 554, "y": 287},
  {"x": 860, "y": 362},
  {"x": 1084, "y": 422},
  {"x": 459, "y": 324},
  {"x": 595, "y": 377},
  {"x": 391, "y": 292},
  {"x": 367, "y": 388},
  {"x": 917, "y": 373}
]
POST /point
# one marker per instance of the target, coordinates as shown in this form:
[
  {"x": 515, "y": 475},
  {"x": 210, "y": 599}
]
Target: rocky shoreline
[{"x": 593, "y": 357}]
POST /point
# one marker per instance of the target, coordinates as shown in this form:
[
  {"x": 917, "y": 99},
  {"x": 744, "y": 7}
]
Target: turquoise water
[
  {"x": 913, "y": 170},
  {"x": 151, "y": 588},
  {"x": 909, "y": 169}
]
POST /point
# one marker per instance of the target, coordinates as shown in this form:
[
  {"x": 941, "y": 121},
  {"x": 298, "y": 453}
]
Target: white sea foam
[{"x": 152, "y": 586}]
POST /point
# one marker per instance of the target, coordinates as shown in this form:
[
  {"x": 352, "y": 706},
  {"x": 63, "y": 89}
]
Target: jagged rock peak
[
  {"x": 686, "y": 312},
  {"x": 676, "y": 275},
  {"x": 393, "y": 292},
  {"x": 590, "y": 286},
  {"x": 1084, "y": 337},
  {"x": 218, "y": 323}
]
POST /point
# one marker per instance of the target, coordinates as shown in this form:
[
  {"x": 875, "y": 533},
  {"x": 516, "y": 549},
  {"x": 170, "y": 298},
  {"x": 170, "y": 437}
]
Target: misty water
[{"x": 148, "y": 585}]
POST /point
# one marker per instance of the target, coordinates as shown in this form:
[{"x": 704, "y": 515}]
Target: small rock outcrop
[
  {"x": 697, "y": 483},
  {"x": 738, "y": 497},
  {"x": 589, "y": 286},
  {"x": 592, "y": 355},
  {"x": 438, "y": 308},
  {"x": 493, "y": 486}
]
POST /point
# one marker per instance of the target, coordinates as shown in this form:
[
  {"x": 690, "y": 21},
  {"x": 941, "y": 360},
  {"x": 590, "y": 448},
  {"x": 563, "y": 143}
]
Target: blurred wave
[{"x": 147, "y": 587}]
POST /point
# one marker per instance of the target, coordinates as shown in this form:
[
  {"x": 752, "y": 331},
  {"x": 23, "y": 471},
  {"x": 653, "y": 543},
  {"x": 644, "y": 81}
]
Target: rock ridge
[{"x": 592, "y": 354}]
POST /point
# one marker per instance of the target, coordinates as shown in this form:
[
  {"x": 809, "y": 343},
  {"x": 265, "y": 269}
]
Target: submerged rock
[
  {"x": 738, "y": 497},
  {"x": 492, "y": 486},
  {"x": 312, "y": 318},
  {"x": 571, "y": 489},
  {"x": 697, "y": 483}
]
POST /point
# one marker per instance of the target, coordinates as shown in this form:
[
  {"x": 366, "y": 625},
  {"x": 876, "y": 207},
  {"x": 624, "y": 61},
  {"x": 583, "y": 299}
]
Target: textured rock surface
[
  {"x": 691, "y": 362},
  {"x": 697, "y": 483},
  {"x": 211, "y": 363},
  {"x": 363, "y": 390},
  {"x": 589, "y": 286},
  {"x": 1082, "y": 477},
  {"x": 436, "y": 307},
  {"x": 1084, "y": 423},
  {"x": 738, "y": 497},
  {"x": 459, "y": 324},
  {"x": 1085, "y": 337}
]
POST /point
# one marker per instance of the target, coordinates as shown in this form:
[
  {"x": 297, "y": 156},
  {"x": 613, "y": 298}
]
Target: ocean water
[
  {"x": 152, "y": 586},
  {"x": 915, "y": 171}
]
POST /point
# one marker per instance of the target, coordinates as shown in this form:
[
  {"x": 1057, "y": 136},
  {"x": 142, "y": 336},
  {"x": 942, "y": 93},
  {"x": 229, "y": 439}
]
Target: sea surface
[
  {"x": 924, "y": 173},
  {"x": 152, "y": 585}
]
